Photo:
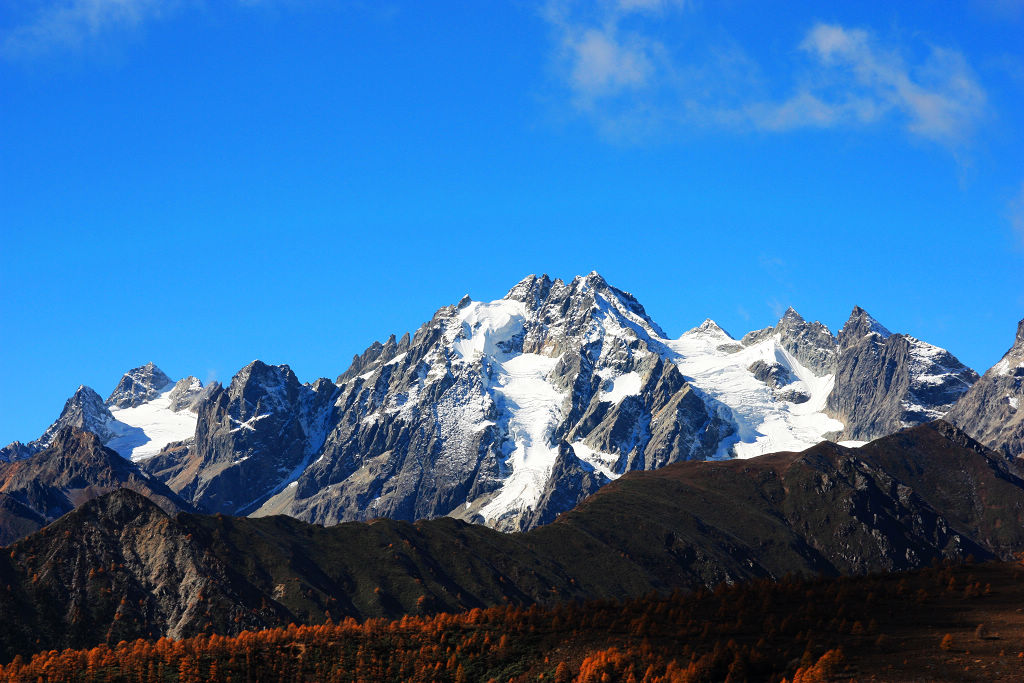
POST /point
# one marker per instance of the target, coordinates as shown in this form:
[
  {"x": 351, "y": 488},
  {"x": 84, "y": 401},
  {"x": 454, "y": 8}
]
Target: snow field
[{"x": 146, "y": 429}]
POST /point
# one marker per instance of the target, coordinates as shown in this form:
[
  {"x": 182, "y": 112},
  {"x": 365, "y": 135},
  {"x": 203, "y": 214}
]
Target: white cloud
[
  {"x": 598, "y": 57},
  {"x": 36, "y": 27},
  {"x": 619, "y": 68},
  {"x": 68, "y": 23},
  {"x": 863, "y": 82},
  {"x": 602, "y": 64}
]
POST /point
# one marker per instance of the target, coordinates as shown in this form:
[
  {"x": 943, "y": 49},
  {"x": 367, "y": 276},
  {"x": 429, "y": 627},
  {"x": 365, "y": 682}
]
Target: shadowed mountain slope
[
  {"x": 119, "y": 567},
  {"x": 74, "y": 468},
  {"x": 991, "y": 410}
]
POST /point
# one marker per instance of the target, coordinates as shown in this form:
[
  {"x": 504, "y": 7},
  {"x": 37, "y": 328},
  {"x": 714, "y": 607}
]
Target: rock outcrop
[
  {"x": 992, "y": 411},
  {"x": 885, "y": 382},
  {"x": 73, "y": 469}
]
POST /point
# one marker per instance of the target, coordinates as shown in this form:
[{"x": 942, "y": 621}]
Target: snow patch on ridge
[
  {"x": 484, "y": 327},
  {"x": 765, "y": 423},
  {"x": 602, "y": 462},
  {"x": 618, "y": 388},
  {"x": 535, "y": 409},
  {"x": 149, "y": 427}
]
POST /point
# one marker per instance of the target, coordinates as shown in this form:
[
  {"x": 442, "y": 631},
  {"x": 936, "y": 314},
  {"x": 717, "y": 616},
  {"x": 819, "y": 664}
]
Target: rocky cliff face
[
  {"x": 74, "y": 468},
  {"x": 252, "y": 437},
  {"x": 885, "y": 382},
  {"x": 138, "y": 386},
  {"x": 992, "y": 411}
]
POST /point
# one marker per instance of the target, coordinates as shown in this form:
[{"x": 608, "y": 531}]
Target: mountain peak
[
  {"x": 594, "y": 279},
  {"x": 861, "y": 323},
  {"x": 531, "y": 289},
  {"x": 1020, "y": 332},
  {"x": 139, "y": 385},
  {"x": 709, "y": 326},
  {"x": 85, "y": 393},
  {"x": 791, "y": 316},
  {"x": 84, "y": 410}
]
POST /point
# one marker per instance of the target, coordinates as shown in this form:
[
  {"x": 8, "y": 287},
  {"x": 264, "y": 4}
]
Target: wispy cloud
[
  {"x": 42, "y": 26},
  {"x": 860, "y": 81},
  {"x": 619, "y": 70},
  {"x": 599, "y": 57}
]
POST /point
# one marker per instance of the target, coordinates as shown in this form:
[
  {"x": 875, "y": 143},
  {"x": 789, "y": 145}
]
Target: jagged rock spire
[{"x": 139, "y": 385}]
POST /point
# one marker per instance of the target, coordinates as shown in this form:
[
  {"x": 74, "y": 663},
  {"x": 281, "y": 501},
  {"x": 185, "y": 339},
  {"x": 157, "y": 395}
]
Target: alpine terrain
[
  {"x": 509, "y": 412},
  {"x": 991, "y": 410}
]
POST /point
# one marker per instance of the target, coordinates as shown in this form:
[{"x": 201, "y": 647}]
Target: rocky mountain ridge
[
  {"x": 509, "y": 412},
  {"x": 145, "y": 412},
  {"x": 992, "y": 409},
  {"x": 74, "y": 468}
]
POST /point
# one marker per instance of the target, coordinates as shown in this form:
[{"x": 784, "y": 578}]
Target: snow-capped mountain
[
  {"x": 145, "y": 412},
  {"x": 509, "y": 412},
  {"x": 139, "y": 386}
]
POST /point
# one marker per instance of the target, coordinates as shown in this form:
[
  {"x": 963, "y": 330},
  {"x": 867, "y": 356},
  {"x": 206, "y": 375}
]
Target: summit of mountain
[{"x": 510, "y": 411}]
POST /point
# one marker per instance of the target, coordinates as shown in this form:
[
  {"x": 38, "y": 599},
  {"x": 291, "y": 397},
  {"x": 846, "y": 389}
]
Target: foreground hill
[
  {"x": 947, "y": 623},
  {"x": 75, "y": 467},
  {"x": 119, "y": 567}
]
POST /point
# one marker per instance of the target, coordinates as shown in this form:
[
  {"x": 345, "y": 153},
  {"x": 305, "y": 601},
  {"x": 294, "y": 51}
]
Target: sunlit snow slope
[
  {"x": 152, "y": 426},
  {"x": 765, "y": 423}
]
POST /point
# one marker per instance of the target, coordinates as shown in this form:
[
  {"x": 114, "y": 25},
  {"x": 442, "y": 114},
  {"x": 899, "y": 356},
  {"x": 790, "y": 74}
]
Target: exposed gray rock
[
  {"x": 772, "y": 374},
  {"x": 992, "y": 411},
  {"x": 139, "y": 385},
  {"x": 885, "y": 382},
  {"x": 187, "y": 394},
  {"x": 252, "y": 439},
  {"x": 793, "y": 396},
  {"x": 16, "y": 450},
  {"x": 810, "y": 343},
  {"x": 754, "y": 336}
]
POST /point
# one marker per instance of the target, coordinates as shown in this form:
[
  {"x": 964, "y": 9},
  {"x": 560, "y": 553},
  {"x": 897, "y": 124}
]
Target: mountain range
[{"x": 510, "y": 412}]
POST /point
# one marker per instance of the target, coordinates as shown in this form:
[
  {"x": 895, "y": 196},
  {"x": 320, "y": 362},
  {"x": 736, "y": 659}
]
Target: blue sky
[{"x": 202, "y": 183}]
